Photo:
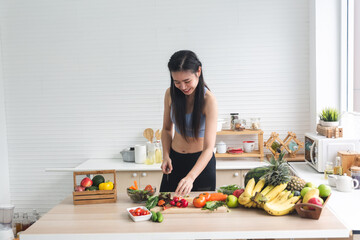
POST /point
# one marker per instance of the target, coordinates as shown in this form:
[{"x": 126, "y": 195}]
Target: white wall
[
  {"x": 84, "y": 79},
  {"x": 4, "y": 170},
  {"x": 357, "y": 56}
]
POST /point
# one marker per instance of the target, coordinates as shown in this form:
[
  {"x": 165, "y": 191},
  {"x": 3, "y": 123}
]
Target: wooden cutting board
[{"x": 189, "y": 209}]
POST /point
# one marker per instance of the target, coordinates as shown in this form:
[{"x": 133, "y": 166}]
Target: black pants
[{"x": 182, "y": 163}]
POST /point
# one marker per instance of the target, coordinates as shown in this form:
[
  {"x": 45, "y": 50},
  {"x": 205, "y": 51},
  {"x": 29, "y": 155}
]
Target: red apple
[
  {"x": 316, "y": 201},
  {"x": 86, "y": 182},
  {"x": 238, "y": 192},
  {"x": 79, "y": 188}
]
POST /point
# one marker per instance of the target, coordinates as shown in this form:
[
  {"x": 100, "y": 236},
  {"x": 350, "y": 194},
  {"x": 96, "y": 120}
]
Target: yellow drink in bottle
[{"x": 158, "y": 156}]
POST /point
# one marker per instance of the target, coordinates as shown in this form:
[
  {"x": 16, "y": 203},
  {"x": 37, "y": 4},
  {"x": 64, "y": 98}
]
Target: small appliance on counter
[
  {"x": 320, "y": 149},
  {"x": 128, "y": 154},
  {"x": 6, "y": 217}
]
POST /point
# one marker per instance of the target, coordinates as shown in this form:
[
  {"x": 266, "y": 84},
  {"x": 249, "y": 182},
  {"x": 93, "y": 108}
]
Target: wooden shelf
[
  {"x": 298, "y": 158},
  {"x": 243, "y": 132},
  {"x": 256, "y": 153}
]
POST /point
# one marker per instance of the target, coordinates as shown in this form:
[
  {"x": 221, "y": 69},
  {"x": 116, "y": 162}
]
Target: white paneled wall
[{"x": 83, "y": 79}]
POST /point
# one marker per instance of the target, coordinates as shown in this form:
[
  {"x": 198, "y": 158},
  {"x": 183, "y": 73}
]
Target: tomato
[
  {"x": 146, "y": 212},
  {"x": 199, "y": 202},
  {"x": 131, "y": 210},
  {"x": 178, "y": 204},
  {"x": 176, "y": 199},
  {"x": 137, "y": 213},
  {"x": 206, "y": 195},
  {"x": 138, "y": 210}
]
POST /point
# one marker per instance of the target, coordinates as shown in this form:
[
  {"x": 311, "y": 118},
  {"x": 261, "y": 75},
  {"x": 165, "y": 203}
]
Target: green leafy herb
[
  {"x": 152, "y": 202},
  {"x": 229, "y": 189},
  {"x": 212, "y": 205}
]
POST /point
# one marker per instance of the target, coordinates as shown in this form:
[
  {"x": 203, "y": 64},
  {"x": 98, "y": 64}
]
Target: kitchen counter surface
[
  {"x": 345, "y": 205},
  {"x": 111, "y": 221},
  {"x": 119, "y": 165}
]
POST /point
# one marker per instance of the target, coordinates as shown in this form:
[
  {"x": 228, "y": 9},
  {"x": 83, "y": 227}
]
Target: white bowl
[{"x": 139, "y": 218}]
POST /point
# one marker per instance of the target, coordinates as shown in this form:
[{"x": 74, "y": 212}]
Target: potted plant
[{"x": 329, "y": 117}]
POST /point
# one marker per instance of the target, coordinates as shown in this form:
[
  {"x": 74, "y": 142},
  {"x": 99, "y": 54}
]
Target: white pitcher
[{"x": 346, "y": 184}]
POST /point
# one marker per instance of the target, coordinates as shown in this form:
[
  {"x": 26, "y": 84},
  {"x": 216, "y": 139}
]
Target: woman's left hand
[{"x": 184, "y": 187}]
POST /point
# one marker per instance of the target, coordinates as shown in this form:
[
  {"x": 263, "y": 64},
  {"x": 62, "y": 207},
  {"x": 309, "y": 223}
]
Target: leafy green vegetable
[
  {"x": 152, "y": 202},
  {"x": 212, "y": 205},
  {"x": 229, "y": 189},
  {"x": 166, "y": 196}
]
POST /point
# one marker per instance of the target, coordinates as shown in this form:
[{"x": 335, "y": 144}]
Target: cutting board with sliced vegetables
[{"x": 189, "y": 209}]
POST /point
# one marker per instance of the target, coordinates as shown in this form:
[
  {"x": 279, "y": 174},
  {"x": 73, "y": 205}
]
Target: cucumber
[
  {"x": 160, "y": 217},
  {"x": 92, "y": 188},
  {"x": 154, "y": 216}
]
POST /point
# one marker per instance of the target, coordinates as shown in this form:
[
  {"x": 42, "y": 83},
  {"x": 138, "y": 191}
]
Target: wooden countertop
[{"x": 111, "y": 221}]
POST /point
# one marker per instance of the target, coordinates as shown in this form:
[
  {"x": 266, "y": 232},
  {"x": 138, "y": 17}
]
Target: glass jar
[
  {"x": 355, "y": 174},
  {"x": 239, "y": 124},
  {"x": 150, "y": 153},
  {"x": 17, "y": 223},
  {"x": 233, "y": 116},
  {"x": 255, "y": 123},
  {"x": 158, "y": 152},
  {"x": 329, "y": 169}
]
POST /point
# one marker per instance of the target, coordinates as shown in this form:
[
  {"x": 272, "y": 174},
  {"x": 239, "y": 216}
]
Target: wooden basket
[
  {"x": 94, "y": 197},
  {"x": 307, "y": 213}
]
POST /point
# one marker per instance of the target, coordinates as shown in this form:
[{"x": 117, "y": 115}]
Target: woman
[{"x": 188, "y": 159}]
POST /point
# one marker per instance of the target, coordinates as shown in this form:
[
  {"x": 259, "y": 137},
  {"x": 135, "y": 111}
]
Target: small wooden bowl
[{"x": 310, "y": 213}]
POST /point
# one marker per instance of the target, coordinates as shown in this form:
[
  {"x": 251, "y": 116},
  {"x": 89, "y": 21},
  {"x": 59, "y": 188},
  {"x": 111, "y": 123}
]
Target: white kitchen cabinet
[
  {"x": 125, "y": 179},
  {"x": 228, "y": 177}
]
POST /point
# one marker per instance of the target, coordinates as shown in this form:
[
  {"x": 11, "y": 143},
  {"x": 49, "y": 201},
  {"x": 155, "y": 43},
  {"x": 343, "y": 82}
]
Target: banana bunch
[{"x": 273, "y": 199}]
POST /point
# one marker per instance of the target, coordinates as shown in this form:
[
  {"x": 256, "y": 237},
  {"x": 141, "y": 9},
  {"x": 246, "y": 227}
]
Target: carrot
[
  {"x": 161, "y": 202},
  {"x": 136, "y": 185},
  {"x": 217, "y": 197},
  {"x": 132, "y": 187}
]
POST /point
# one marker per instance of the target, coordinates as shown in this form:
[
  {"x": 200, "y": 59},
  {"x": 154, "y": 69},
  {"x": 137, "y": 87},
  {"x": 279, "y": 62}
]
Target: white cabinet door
[{"x": 228, "y": 177}]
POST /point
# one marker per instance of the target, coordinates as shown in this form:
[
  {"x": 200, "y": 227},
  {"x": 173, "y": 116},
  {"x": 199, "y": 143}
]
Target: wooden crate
[
  {"x": 349, "y": 159},
  {"x": 307, "y": 213},
  {"x": 94, "y": 197},
  {"x": 329, "y": 132}
]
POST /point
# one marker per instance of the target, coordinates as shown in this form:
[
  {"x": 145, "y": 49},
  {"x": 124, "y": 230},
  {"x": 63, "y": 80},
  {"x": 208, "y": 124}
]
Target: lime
[
  {"x": 310, "y": 185},
  {"x": 324, "y": 190}
]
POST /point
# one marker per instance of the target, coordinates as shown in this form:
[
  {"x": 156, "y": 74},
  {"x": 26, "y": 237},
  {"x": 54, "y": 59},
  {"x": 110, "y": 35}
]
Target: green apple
[
  {"x": 324, "y": 190},
  {"x": 232, "y": 201},
  {"x": 310, "y": 185},
  {"x": 304, "y": 191}
]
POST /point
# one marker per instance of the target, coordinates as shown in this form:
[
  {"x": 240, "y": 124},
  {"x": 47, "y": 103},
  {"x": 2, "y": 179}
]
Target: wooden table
[{"x": 111, "y": 221}]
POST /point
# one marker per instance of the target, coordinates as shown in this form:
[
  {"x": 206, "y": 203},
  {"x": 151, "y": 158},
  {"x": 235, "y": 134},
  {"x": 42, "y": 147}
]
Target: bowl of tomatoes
[
  {"x": 141, "y": 195},
  {"x": 139, "y": 213}
]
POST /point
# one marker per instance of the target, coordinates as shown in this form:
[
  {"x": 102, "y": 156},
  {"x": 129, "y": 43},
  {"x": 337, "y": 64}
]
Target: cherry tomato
[
  {"x": 172, "y": 203},
  {"x": 176, "y": 199},
  {"x": 199, "y": 202},
  {"x": 131, "y": 210},
  {"x": 206, "y": 195},
  {"x": 178, "y": 204},
  {"x": 137, "y": 213},
  {"x": 184, "y": 203},
  {"x": 138, "y": 210},
  {"x": 146, "y": 212}
]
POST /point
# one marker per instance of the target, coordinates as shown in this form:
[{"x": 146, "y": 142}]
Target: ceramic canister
[{"x": 140, "y": 153}]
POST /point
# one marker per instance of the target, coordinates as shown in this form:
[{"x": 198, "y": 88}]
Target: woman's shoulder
[
  {"x": 210, "y": 100},
  {"x": 168, "y": 96}
]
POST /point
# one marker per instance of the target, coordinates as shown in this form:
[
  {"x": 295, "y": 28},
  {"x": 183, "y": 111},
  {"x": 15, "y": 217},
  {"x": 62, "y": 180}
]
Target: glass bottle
[
  {"x": 338, "y": 166},
  {"x": 329, "y": 169},
  {"x": 150, "y": 153},
  {"x": 25, "y": 222},
  {"x": 255, "y": 123},
  {"x": 17, "y": 223},
  {"x": 36, "y": 214},
  {"x": 158, "y": 152}
]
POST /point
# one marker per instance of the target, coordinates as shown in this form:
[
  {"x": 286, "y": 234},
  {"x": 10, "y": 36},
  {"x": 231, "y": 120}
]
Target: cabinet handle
[
  {"x": 143, "y": 174},
  {"x": 236, "y": 174},
  {"x": 134, "y": 174}
]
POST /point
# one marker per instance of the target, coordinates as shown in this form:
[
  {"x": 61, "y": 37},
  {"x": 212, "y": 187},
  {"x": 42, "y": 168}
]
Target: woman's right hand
[{"x": 166, "y": 166}]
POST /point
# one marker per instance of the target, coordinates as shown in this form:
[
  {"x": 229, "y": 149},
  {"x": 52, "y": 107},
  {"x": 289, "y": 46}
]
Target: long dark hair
[{"x": 186, "y": 60}]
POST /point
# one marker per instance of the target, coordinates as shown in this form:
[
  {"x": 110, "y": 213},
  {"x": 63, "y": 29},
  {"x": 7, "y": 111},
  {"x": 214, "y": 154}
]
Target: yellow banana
[
  {"x": 285, "y": 197},
  {"x": 275, "y": 191},
  {"x": 249, "y": 188},
  {"x": 244, "y": 200},
  {"x": 259, "y": 185},
  {"x": 249, "y": 204},
  {"x": 277, "y": 198},
  {"x": 279, "y": 209},
  {"x": 267, "y": 189}
]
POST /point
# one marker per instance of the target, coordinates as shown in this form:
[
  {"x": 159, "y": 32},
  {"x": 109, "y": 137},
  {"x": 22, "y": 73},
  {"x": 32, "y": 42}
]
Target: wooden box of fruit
[
  {"x": 309, "y": 210},
  {"x": 95, "y": 190}
]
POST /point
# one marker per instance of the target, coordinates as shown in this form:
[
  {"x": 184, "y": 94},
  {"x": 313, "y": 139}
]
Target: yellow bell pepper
[{"x": 106, "y": 186}]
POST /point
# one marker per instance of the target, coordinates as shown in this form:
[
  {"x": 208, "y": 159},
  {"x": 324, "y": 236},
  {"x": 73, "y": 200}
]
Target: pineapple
[
  {"x": 296, "y": 184},
  {"x": 278, "y": 171}
]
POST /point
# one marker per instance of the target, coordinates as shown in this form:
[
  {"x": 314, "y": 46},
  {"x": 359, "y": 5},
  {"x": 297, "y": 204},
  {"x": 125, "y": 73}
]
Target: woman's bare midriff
[{"x": 180, "y": 145}]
